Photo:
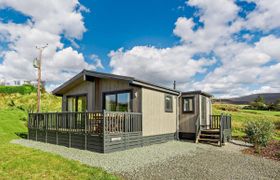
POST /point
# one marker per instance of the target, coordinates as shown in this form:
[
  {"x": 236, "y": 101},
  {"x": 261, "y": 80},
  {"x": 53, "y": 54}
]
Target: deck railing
[
  {"x": 116, "y": 122},
  {"x": 215, "y": 121},
  {"x": 86, "y": 122}
]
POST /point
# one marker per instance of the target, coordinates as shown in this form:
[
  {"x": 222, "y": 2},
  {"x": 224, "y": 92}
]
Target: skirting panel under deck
[
  {"x": 74, "y": 140},
  {"x": 96, "y": 143},
  {"x": 123, "y": 141},
  {"x": 189, "y": 136}
]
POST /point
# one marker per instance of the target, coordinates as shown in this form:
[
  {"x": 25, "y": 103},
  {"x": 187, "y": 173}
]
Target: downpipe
[{"x": 178, "y": 115}]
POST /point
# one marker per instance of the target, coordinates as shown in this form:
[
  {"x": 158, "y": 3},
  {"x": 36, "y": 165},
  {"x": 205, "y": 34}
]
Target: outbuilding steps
[{"x": 209, "y": 136}]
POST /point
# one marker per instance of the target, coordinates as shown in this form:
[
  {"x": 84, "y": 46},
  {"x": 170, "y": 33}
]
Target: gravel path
[{"x": 172, "y": 160}]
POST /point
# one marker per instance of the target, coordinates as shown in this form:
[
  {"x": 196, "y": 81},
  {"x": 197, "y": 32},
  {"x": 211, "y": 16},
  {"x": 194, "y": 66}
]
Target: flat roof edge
[
  {"x": 197, "y": 92},
  {"x": 156, "y": 87}
]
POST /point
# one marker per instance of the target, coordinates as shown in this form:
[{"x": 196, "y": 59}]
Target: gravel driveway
[{"x": 172, "y": 160}]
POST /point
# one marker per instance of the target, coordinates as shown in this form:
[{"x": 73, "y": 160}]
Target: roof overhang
[
  {"x": 86, "y": 75},
  {"x": 197, "y": 92},
  {"x": 154, "y": 87}
]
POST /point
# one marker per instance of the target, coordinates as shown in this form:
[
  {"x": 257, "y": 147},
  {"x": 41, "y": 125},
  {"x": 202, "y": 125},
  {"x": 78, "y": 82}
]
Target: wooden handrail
[{"x": 86, "y": 122}]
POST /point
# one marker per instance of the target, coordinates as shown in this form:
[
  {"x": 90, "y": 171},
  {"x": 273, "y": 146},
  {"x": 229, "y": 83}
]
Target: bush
[
  {"x": 227, "y": 107},
  {"x": 259, "y": 132},
  {"x": 24, "y": 89}
]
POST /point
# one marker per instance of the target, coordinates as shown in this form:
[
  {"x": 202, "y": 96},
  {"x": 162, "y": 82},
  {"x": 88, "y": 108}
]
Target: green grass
[
  {"x": 18, "y": 162},
  {"x": 241, "y": 116}
]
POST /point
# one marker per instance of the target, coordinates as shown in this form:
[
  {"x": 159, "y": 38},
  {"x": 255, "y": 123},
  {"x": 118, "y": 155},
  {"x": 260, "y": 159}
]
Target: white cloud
[
  {"x": 270, "y": 45},
  {"x": 241, "y": 67},
  {"x": 51, "y": 15},
  {"x": 158, "y": 65},
  {"x": 266, "y": 15},
  {"x": 215, "y": 17},
  {"x": 47, "y": 21}
]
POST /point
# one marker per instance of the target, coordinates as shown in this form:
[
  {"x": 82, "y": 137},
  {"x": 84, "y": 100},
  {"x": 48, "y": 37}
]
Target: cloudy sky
[{"x": 224, "y": 47}]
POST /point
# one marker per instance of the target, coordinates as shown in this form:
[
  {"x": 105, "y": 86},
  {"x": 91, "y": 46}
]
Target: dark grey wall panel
[
  {"x": 78, "y": 141},
  {"x": 95, "y": 143},
  {"x": 32, "y": 134},
  {"x": 63, "y": 139},
  {"x": 51, "y": 137},
  {"x": 41, "y": 136},
  {"x": 123, "y": 141}
]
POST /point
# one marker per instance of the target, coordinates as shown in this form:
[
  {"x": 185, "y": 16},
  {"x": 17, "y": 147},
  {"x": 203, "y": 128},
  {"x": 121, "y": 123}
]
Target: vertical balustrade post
[
  {"x": 69, "y": 121},
  {"x": 28, "y": 125},
  {"x": 104, "y": 130},
  {"x": 56, "y": 127},
  {"x": 86, "y": 119},
  {"x": 221, "y": 129},
  {"x": 36, "y": 135},
  {"x": 46, "y": 126}
]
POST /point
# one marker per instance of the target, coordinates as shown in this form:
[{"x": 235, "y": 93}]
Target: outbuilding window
[
  {"x": 168, "y": 103},
  {"x": 188, "y": 104}
]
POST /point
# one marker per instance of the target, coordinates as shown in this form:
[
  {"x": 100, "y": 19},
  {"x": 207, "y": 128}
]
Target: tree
[
  {"x": 260, "y": 99},
  {"x": 277, "y": 105},
  {"x": 259, "y": 103}
]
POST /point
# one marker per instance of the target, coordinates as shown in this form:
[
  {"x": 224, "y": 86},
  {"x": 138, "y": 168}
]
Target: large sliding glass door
[
  {"x": 117, "y": 101},
  {"x": 77, "y": 103}
]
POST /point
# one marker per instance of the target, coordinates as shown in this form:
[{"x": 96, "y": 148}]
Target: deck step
[
  {"x": 208, "y": 140},
  {"x": 210, "y": 135},
  {"x": 210, "y": 131}
]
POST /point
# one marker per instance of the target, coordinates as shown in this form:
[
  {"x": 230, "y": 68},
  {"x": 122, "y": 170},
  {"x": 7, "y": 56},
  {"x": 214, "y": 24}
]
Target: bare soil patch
[{"x": 271, "y": 151}]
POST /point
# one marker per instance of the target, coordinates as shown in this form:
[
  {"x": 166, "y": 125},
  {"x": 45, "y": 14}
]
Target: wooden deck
[{"x": 95, "y": 131}]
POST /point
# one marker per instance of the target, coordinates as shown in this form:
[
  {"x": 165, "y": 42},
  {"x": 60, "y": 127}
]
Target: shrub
[
  {"x": 227, "y": 107},
  {"x": 259, "y": 132},
  {"x": 24, "y": 89}
]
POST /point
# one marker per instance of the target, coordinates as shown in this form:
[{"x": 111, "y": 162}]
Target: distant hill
[{"x": 268, "y": 97}]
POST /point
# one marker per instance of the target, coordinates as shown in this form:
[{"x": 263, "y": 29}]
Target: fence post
[
  {"x": 56, "y": 122},
  {"x": 221, "y": 129},
  {"x": 70, "y": 124},
  {"x": 104, "y": 130},
  {"x": 46, "y": 126},
  {"x": 36, "y": 135},
  {"x": 28, "y": 125},
  {"x": 86, "y": 117}
]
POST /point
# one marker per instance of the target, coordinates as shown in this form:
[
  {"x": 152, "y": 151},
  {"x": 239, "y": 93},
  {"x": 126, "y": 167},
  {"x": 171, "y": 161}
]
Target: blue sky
[
  {"x": 224, "y": 47},
  {"x": 115, "y": 24}
]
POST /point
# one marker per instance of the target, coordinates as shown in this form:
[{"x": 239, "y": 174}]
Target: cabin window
[
  {"x": 118, "y": 101},
  {"x": 188, "y": 104},
  {"x": 168, "y": 103},
  {"x": 77, "y": 103}
]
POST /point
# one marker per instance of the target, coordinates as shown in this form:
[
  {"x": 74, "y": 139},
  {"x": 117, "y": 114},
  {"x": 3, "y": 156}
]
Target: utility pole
[{"x": 38, "y": 65}]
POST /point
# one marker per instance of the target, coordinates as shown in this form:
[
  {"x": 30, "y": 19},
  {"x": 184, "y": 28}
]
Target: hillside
[
  {"x": 268, "y": 97},
  {"x": 28, "y": 102}
]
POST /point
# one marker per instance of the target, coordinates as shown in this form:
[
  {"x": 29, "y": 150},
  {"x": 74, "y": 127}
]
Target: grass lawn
[
  {"x": 17, "y": 162},
  {"x": 241, "y": 116}
]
